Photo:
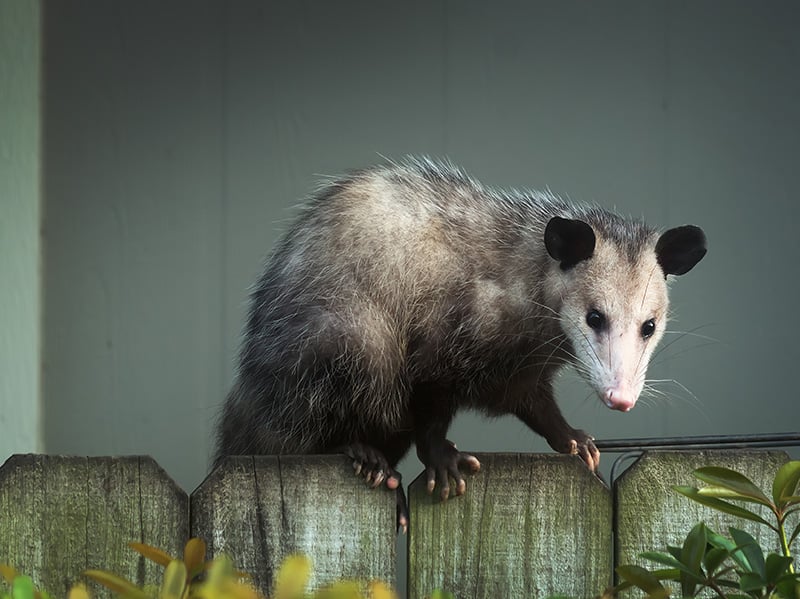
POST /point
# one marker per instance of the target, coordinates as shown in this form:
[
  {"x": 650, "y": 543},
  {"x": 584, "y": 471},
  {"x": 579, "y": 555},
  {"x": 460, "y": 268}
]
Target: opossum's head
[{"x": 611, "y": 286}]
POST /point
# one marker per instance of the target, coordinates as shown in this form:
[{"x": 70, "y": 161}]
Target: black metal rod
[{"x": 702, "y": 442}]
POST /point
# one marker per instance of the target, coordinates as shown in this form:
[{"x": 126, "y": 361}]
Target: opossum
[{"x": 407, "y": 291}]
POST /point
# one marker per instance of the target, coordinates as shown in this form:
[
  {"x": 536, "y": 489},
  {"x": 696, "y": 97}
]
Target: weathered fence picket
[
  {"x": 62, "y": 515},
  {"x": 258, "y": 510},
  {"x": 651, "y": 515},
  {"x": 528, "y": 526}
]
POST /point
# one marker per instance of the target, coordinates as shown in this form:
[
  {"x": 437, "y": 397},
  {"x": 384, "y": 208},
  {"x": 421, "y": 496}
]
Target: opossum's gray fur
[{"x": 391, "y": 278}]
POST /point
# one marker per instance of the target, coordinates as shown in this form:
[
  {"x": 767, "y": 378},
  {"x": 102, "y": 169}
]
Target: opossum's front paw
[
  {"x": 372, "y": 466},
  {"x": 443, "y": 462},
  {"x": 581, "y": 444}
]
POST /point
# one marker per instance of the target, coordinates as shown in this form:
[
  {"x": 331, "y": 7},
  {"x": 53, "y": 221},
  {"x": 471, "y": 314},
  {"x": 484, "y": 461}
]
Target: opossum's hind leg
[
  {"x": 434, "y": 407},
  {"x": 444, "y": 462}
]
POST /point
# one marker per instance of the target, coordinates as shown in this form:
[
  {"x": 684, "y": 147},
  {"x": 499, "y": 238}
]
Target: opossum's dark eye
[
  {"x": 648, "y": 328},
  {"x": 595, "y": 320}
]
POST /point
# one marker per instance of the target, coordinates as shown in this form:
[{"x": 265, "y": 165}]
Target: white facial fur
[{"x": 612, "y": 350}]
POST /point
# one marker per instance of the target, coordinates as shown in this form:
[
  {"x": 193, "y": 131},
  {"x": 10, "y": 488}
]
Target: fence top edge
[
  {"x": 645, "y": 457},
  {"x": 44, "y": 461}
]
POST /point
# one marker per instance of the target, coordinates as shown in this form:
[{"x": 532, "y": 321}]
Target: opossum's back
[{"x": 386, "y": 233}]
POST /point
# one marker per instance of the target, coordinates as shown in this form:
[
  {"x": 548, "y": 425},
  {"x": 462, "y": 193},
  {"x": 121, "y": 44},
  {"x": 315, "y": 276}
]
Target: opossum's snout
[{"x": 620, "y": 397}]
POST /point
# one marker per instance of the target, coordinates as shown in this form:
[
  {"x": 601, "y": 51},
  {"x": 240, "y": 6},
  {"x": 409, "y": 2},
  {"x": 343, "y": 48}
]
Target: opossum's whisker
[
  {"x": 681, "y": 335},
  {"x": 692, "y": 333},
  {"x": 658, "y": 358},
  {"x": 678, "y": 384}
]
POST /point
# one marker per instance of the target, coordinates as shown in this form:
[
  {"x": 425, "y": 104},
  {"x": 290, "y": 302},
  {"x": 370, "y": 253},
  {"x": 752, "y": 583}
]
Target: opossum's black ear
[
  {"x": 568, "y": 241},
  {"x": 679, "y": 249}
]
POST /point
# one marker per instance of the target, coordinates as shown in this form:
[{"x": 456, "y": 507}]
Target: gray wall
[
  {"x": 180, "y": 135},
  {"x": 20, "y": 246}
]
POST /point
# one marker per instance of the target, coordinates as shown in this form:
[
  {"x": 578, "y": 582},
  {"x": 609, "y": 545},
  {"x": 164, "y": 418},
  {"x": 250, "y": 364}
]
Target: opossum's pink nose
[{"x": 619, "y": 398}]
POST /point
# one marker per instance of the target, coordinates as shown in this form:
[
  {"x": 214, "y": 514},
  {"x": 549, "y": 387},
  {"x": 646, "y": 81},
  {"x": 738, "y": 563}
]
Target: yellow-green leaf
[
  {"x": 194, "y": 556},
  {"x": 220, "y": 570},
  {"x": 785, "y": 482},
  {"x": 723, "y": 493},
  {"x": 292, "y": 577},
  {"x": 380, "y": 590},
  {"x": 341, "y": 589},
  {"x": 640, "y": 577},
  {"x": 174, "y": 583},
  {"x": 720, "y": 505},
  {"x": 116, "y": 583},
  {"x": 78, "y": 591},
  {"x": 23, "y": 588},
  {"x": 221, "y": 583},
  {"x": 154, "y": 554},
  {"x": 8, "y": 573},
  {"x": 730, "y": 479}
]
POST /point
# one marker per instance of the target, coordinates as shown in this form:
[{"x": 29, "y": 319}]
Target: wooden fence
[{"x": 529, "y": 525}]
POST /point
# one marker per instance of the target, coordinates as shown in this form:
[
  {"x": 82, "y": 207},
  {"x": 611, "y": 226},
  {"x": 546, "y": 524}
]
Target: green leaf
[
  {"x": 713, "y": 559},
  {"x": 694, "y": 547},
  {"x": 440, "y": 594},
  {"x": 794, "y": 534},
  {"x": 23, "y": 588},
  {"x": 785, "y": 482},
  {"x": 717, "y": 540},
  {"x": 664, "y": 559},
  {"x": 730, "y": 479},
  {"x": 723, "y": 506},
  {"x": 677, "y": 570},
  {"x": 748, "y": 546},
  {"x": 674, "y": 551},
  {"x": 640, "y": 577},
  {"x": 788, "y": 587},
  {"x": 775, "y": 567},
  {"x": 750, "y": 581}
]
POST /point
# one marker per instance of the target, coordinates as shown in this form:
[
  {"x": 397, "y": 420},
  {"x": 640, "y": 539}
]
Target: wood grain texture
[
  {"x": 529, "y": 526},
  {"x": 260, "y": 509},
  {"x": 62, "y": 515},
  {"x": 651, "y": 515}
]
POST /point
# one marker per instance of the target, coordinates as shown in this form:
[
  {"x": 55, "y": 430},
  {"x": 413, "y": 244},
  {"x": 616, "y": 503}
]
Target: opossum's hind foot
[
  {"x": 372, "y": 465},
  {"x": 444, "y": 462}
]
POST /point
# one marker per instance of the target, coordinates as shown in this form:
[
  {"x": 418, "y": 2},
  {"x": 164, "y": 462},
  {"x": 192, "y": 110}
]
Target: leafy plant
[
  {"x": 22, "y": 587},
  {"x": 193, "y": 577},
  {"x": 735, "y": 567}
]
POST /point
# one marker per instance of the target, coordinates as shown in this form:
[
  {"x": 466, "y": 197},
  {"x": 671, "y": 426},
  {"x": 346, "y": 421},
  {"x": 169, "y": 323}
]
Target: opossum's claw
[{"x": 445, "y": 463}]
